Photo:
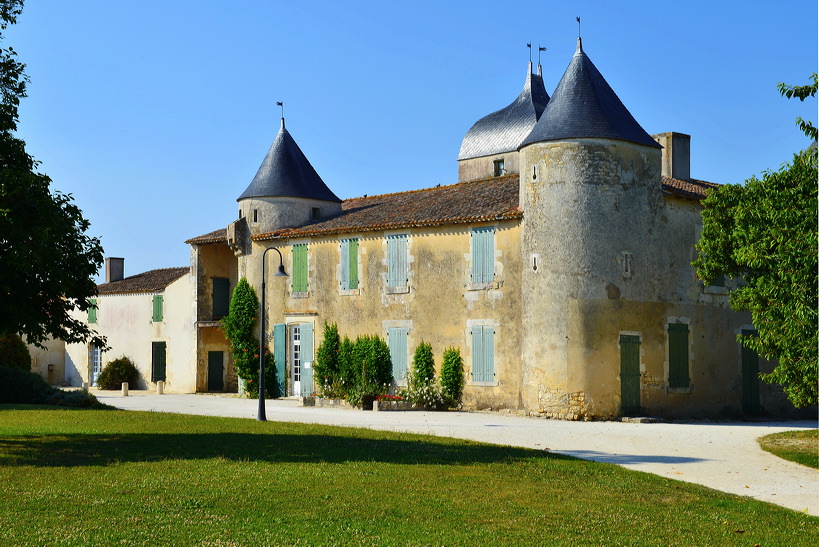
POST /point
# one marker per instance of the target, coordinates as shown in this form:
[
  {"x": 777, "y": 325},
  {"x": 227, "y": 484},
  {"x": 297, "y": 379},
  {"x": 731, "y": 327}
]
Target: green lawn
[
  {"x": 796, "y": 446},
  {"x": 84, "y": 477}
]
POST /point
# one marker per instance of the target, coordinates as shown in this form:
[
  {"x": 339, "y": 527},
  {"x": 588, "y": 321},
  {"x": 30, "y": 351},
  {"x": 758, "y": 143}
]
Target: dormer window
[
  {"x": 499, "y": 170},
  {"x": 315, "y": 213}
]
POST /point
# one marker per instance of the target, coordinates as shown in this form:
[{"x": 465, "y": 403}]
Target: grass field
[
  {"x": 84, "y": 477},
  {"x": 796, "y": 446}
]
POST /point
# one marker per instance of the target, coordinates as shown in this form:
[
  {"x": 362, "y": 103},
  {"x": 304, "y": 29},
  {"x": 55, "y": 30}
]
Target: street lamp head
[{"x": 281, "y": 272}]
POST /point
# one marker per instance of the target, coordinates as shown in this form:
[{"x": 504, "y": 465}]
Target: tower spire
[{"x": 579, "y": 39}]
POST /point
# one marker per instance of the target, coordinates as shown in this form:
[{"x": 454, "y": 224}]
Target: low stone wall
[
  {"x": 396, "y": 405},
  {"x": 326, "y": 403}
]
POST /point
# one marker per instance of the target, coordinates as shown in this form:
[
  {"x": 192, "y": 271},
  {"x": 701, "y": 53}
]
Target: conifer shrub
[
  {"x": 14, "y": 352},
  {"x": 349, "y": 373},
  {"x": 116, "y": 372},
  {"x": 423, "y": 366},
  {"x": 452, "y": 376},
  {"x": 371, "y": 360},
  {"x": 326, "y": 366}
]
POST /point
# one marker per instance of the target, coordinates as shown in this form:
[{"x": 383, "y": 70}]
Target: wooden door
[{"x": 629, "y": 374}]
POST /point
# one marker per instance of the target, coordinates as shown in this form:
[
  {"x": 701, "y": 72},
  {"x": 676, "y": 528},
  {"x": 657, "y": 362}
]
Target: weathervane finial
[
  {"x": 579, "y": 39},
  {"x": 529, "y": 45}
]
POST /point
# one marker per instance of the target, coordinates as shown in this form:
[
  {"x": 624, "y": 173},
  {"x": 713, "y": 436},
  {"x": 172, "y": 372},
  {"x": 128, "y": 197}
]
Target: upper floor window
[
  {"x": 483, "y": 255},
  {"x": 499, "y": 170},
  {"x": 92, "y": 310},
  {"x": 349, "y": 264},
  {"x": 157, "y": 307},
  {"x": 397, "y": 260},
  {"x": 299, "y": 278},
  {"x": 220, "y": 297}
]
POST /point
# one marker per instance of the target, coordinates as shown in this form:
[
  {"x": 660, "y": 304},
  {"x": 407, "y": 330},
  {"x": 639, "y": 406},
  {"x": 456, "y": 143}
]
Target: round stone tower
[
  {"x": 590, "y": 189},
  {"x": 286, "y": 191}
]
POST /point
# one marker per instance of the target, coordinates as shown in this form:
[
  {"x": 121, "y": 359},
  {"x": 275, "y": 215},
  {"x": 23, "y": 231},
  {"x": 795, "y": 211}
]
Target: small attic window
[
  {"x": 499, "y": 170},
  {"x": 315, "y": 213}
]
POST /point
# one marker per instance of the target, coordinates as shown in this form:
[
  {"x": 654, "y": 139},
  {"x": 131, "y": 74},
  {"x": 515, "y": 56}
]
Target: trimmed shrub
[
  {"x": 26, "y": 388},
  {"x": 326, "y": 367},
  {"x": 452, "y": 376},
  {"x": 371, "y": 360},
  {"x": 349, "y": 373},
  {"x": 14, "y": 352},
  {"x": 423, "y": 366},
  {"x": 117, "y": 371}
]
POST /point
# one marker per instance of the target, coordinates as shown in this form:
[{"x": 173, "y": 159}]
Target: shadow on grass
[{"x": 77, "y": 450}]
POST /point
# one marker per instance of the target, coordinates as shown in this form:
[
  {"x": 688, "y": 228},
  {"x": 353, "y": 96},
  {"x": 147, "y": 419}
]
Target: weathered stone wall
[
  {"x": 481, "y": 168},
  {"x": 277, "y": 213},
  {"x": 439, "y": 306}
]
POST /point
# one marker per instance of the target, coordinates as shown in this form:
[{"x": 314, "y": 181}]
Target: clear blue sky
[{"x": 155, "y": 115}]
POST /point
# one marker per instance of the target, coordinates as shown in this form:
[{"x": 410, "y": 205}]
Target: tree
[
  {"x": 452, "y": 375},
  {"x": 423, "y": 366},
  {"x": 326, "y": 367},
  {"x": 240, "y": 329},
  {"x": 47, "y": 262},
  {"x": 764, "y": 235}
]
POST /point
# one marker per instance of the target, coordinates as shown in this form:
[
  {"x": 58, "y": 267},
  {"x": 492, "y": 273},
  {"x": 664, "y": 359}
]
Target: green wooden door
[
  {"x": 216, "y": 371},
  {"x": 629, "y": 374},
  {"x": 158, "y": 356},
  {"x": 750, "y": 378}
]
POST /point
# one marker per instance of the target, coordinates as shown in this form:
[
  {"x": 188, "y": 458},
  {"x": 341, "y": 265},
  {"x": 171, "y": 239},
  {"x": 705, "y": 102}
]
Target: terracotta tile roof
[
  {"x": 150, "y": 281},
  {"x": 217, "y": 236},
  {"x": 691, "y": 189},
  {"x": 474, "y": 201}
]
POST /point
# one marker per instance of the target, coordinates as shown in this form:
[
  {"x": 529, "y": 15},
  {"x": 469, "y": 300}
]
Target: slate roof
[
  {"x": 216, "y": 236},
  {"x": 150, "y": 281},
  {"x": 286, "y": 172},
  {"x": 585, "y": 106},
  {"x": 691, "y": 189},
  {"x": 504, "y": 130},
  {"x": 474, "y": 201}
]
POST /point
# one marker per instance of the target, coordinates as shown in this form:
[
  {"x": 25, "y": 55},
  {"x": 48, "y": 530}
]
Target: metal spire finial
[
  {"x": 579, "y": 39},
  {"x": 529, "y": 45}
]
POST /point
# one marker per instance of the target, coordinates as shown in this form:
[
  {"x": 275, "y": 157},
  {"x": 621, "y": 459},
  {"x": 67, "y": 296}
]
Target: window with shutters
[
  {"x": 349, "y": 265},
  {"x": 483, "y": 354},
  {"x": 157, "y": 314},
  {"x": 397, "y": 264},
  {"x": 678, "y": 356},
  {"x": 299, "y": 278},
  {"x": 92, "y": 311},
  {"x": 483, "y": 258},
  {"x": 397, "y": 341},
  {"x": 158, "y": 361}
]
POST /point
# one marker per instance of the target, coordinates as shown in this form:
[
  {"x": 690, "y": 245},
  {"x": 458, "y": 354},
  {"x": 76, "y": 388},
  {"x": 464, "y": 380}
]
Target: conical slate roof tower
[{"x": 585, "y": 106}]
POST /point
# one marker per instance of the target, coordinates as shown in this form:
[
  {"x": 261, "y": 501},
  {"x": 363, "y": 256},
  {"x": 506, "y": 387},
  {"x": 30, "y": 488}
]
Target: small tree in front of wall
[
  {"x": 239, "y": 327},
  {"x": 326, "y": 366},
  {"x": 452, "y": 376},
  {"x": 370, "y": 359},
  {"x": 423, "y": 366}
]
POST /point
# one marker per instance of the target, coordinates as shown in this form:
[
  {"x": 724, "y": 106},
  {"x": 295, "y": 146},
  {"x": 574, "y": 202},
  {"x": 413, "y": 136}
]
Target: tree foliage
[
  {"x": 423, "y": 366},
  {"x": 801, "y": 92},
  {"x": 47, "y": 262},
  {"x": 14, "y": 352},
  {"x": 452, "y": 375},
  {"x": 239, "y": 327},
  {"x": 764, "y": 235},
  {"x": 326, "y": 365}
]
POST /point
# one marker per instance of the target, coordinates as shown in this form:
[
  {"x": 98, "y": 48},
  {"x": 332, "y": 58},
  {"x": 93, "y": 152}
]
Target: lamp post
[{"x": 281, "y": 273}]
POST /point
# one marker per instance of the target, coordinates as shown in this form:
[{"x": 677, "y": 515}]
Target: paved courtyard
[{"x": 721, "y": 455}]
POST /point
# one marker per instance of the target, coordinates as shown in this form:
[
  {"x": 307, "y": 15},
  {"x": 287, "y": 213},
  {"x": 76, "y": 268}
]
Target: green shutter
[
  {"x": 279, "y": 346},
  {"x": 300, "y": 268},
  {"x": 750, "y": 377},
  {"x": 221, "y": 297},
  {"x": 353, "y": 264},
  {"x": 483, "y": 255},
  {"x": 397, "y": 260},
  {"x": 306, "y": 356},
  {"x": 158, "y": 360},
  {"x": 92, "y": 310},
  {"x": 157, "y": 308},
  {"x": 397, "y": 339},
  {"x": 629, "y": 374},
  {"x": 678, "y": 355}
]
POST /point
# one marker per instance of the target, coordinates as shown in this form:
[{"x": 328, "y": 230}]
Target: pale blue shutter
[
  {"x": 397, "y": 261},
  {"x": 279, "y": 341},
  {"x": 483, "y": 353},
  {"x": 483, "y": 255},
  {"x": 397, "y": 337},
  {"x": 306, "y": 356},
  {"x": 345, "y": 264},
  {"x": 477, "y": 354}
]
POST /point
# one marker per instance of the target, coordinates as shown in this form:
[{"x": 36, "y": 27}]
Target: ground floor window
[
  {"x": 483, "y": 353},
  {"x": 158, "y": 361},
  {"x": 397, "y": 340},
  {"x": 678, "y": 355},
  {"x": 96, "y": 364}
]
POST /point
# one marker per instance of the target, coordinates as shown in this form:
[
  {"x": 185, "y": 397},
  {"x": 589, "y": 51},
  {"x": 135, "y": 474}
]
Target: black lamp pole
[{"x": 281, "y": 273}]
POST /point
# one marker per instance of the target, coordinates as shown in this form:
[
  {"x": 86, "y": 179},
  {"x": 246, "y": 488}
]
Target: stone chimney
[
  {"x": 114, "y": 269},
  {"x": 676, "y": 154}
]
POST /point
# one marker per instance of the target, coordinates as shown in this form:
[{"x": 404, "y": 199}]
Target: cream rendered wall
[
  {"x": 49, "y": 361},
  {"x": 126, "y": 322},
  {"x": 439, "y": 306},
  {"x": 484, "y": 167}
]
